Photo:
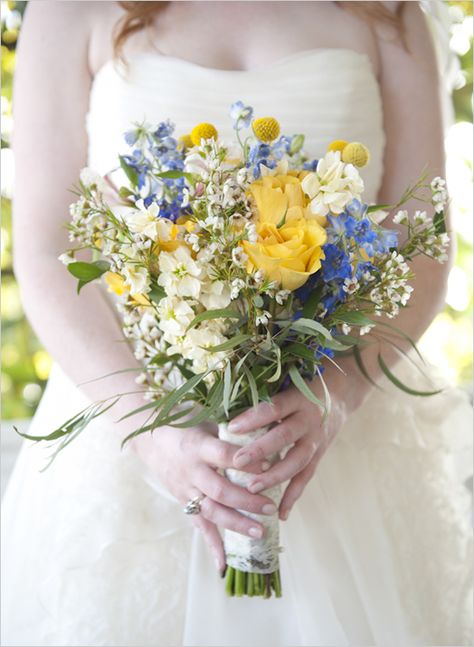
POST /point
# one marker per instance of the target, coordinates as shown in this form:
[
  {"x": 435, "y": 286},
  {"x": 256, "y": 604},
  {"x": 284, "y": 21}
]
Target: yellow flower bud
[
  {"x": 356, "y": 153},
  {"x": 185, "y": 141},
  {"x": 337, "y": 145},
  {"x": 203, "y": 131},
  {"x": 266, "y": 128}
]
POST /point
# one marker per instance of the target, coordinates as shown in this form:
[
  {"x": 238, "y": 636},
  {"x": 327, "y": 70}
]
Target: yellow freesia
[{"x": 289, "y": 245}]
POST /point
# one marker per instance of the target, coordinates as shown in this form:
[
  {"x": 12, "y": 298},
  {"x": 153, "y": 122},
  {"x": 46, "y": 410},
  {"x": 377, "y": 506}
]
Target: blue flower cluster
[
  {"x": 353, "y": 239},
  {"x": 156, "y": 151}
]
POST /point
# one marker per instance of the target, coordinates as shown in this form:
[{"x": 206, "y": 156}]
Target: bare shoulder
[
  {"x": 77, "y": 28},
  {"x": 415, "y": 55}
]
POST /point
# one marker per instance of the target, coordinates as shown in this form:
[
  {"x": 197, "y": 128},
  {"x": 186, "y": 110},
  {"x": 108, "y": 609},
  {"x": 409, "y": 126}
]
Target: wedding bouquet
[{"x": 241, "y": 268}]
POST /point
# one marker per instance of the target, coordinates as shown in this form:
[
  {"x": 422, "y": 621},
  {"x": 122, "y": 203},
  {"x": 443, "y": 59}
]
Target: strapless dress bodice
[{"x": 326, "y": 94}]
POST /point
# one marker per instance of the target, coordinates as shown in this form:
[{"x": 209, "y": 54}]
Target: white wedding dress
[{"x": 378, "y": 549}]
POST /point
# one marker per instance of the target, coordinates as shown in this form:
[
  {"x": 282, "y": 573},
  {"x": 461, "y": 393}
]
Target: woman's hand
[
  {"x": 187, "y": 461},
  {"x": 297, "y": 422}
]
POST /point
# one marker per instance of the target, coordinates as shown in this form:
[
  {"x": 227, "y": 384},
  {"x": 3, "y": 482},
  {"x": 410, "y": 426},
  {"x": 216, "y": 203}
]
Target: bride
[{"x": 97, "y": 550}]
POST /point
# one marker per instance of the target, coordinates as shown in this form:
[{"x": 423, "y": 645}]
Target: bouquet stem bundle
[{"x": 252, "y": 564}]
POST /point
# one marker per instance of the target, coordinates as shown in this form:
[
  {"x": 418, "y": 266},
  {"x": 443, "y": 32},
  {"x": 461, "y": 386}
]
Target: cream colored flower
[
  {"x": 332, "y": 186},
  {"x": 215, "y": 294},
  {"x": 175, "y": 315},
  {"x": 144, "y": 220},
  {"x": 136, "y": 278},
  {"x": 179, "y": 273}
]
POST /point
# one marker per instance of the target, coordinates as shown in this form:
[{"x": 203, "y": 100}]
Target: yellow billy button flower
[
  {"x": 203, "y": 131},
  {"x": 185, "y": 142},
  {"x": 355, "y": 153},
  {"x": 337, "y": 145},
  {"x": 266, "y": 128}
]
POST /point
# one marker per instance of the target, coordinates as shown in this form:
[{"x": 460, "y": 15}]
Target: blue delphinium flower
[
  {"x": 164, "y": 129},
  {"x": 386, "y": 239},
  {"x": 241, "y": 115},
  {"x": 336, "y": 263},
  {"x": 310, "y": 165},
  {"x": 356, "y": 209}
]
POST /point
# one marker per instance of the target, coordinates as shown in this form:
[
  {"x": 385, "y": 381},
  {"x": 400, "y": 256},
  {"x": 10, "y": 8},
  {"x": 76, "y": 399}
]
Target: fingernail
[
  {"x": 224, "y": 571},
  {"x": 233, "y": 426},
  {"x": 269, "y": 508},
  {"x": 266, "y": 466},
  {"x": 284, "y": 515},
  {"x": 255, "y": 487},
  {"x": 255, "y": 532},
  {"x": 242, "y": 461}
]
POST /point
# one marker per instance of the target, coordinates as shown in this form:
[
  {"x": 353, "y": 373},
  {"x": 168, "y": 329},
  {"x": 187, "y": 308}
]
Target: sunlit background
[{"x": 447, "y": 343}]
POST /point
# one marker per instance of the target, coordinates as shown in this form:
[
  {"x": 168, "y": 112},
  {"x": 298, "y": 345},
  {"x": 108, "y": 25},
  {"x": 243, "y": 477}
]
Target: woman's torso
[{"x": 313, "y": 80}]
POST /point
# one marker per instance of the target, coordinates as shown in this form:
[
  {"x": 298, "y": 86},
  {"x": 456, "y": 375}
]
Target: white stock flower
[
  {"x": 332, "y": 186},
  {"x": 175, "y": 315},
  {"x": 215, "y": 294},
  {"x": 136, "y": 278},
  {"x": 179, "y": 273},
  {"x": 144, "y": 220}
]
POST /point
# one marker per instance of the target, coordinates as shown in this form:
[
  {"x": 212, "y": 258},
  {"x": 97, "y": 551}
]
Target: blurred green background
[{"x": 448, "y": 341}]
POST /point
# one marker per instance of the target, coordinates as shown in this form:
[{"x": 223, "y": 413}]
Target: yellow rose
[{"x": 288, "y": 249}]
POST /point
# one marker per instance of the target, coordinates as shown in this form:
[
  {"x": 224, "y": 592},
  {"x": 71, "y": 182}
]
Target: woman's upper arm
[
  {"x": 410, "y": 90},
  {"x": 50, "y": 103}
]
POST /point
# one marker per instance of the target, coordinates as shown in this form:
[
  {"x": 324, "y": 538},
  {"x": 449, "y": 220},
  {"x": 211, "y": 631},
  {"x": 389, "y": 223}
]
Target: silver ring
[{"x": 193, "y": 506}]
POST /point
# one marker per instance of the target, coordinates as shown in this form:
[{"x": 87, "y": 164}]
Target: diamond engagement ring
[{"x": 193, "y": 506}]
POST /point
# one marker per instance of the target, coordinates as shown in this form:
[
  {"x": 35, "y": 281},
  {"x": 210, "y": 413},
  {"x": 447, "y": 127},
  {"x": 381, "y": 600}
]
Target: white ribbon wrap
[{"x": 242, "y": 552}]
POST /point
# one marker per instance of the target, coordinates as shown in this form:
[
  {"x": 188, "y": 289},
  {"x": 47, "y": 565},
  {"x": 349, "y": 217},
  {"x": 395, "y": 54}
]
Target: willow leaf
[
  {"x": 354, "y": 318},
  {"x": 223, "y": 313},
  {"x": 302, "y": 386},
  {"x": 398, "y": 383},
  {"x": 361, "y": 366},
  {"x": 314, "y": 326},
  {"x": 252, "y": 385},
  {"x": 231, "y": 343}
]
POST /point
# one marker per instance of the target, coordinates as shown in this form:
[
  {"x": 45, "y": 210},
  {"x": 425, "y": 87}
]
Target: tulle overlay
[{"x": 378, "y": 549}]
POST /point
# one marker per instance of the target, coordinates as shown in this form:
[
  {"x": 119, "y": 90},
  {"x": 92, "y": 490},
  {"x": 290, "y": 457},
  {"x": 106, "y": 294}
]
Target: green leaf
[
  {"x": 439, "y": 223},
  {"x": 258, "y": 301},
  {"x": 398, "y": 383},
  {"x": 309, "y": 308},
  {"x": 156, "y": 293},
  {"x": 225, "y": 313},
  {"x": 175, "y": 175},
  {"x": 252, "y": 385},
  {"x": 303, "y": 387},
  {"x": 130, "y": 172},
  {"x": 379, "y": 207},
  {"x": 361, "y": 366},
  {"x": 304, "y": 325},
  {"x": 87, "y": 272},
  {"x": 354, "y": 318},
  {"x": 300, "y": 350},
  {"x": 231, "y": 343},
  {"x": 276, "y": 376},
  {"x": 403, "y": 334}
]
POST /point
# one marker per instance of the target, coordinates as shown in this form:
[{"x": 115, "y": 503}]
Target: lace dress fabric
[{"x": 378, "y": 549}]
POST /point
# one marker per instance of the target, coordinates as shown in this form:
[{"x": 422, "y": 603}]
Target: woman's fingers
[
  {"x": 263, "y": 414},
  {"x": 297, "y": 484},
  {"x": 294, "y": 462},
  {"x": 221, "y": 490},
  {"x": 212, "y": 538},
  {"x": 226, "y": 518},
  {"x": 276, "y": 439},
  {"x": 219, "y": 453}
]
